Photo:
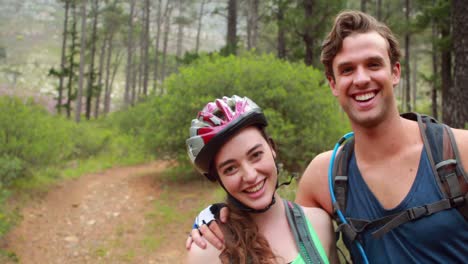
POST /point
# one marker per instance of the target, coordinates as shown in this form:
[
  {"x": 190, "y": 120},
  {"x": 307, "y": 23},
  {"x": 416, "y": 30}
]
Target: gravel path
[{"x": 105, "y": 218}]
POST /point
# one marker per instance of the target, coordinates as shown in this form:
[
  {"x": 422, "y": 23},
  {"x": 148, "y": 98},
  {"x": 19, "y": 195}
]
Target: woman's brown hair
[
  {"x": 243, "y": 241},
  {"x": 349, "y": 22}
]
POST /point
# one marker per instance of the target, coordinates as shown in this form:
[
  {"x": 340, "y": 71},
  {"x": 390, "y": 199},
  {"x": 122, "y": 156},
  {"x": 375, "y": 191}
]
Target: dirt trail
[{"x": 109, "y": 217}]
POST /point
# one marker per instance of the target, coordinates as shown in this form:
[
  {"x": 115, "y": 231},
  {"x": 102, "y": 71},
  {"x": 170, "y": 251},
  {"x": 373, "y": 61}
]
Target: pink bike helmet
[{"x": 216, "y": 123}]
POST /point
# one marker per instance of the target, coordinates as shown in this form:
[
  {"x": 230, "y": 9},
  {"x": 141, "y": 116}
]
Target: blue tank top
[{"x": 439, "y": 238}]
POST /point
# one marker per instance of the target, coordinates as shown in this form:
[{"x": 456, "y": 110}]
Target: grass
[
  {"x": 100, "y": 252},
  {"x": 8, "y": 257},
  {"x": 45, "y": 177},
  {"x": 27, "y": 188},
  {"x": 176, "y": 207}
]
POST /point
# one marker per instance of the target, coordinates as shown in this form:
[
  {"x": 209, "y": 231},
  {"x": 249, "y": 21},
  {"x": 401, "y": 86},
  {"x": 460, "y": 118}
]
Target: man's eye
[{"x": 346, "y": 70}]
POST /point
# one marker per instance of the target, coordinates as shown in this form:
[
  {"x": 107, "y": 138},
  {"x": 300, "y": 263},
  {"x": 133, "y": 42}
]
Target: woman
[{"x": 228, "y": 144}]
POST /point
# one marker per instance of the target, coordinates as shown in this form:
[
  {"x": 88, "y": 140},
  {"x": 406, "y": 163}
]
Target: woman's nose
[{"x": 250, "y": 173}]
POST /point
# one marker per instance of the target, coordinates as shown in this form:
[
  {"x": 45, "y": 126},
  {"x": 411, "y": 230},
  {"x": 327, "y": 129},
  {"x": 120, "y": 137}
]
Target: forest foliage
[
  {"x": 32, "y": 140},
  {"x": 303, "y": 119},
  {"x": 303, "y": 116}
]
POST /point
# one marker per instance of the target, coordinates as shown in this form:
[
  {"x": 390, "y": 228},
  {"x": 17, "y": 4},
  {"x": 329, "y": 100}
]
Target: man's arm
[
  {"x": 206, "y": 226},
  {"x": 196, "y": 255},
  {"x": 323, "y": 226},
  {"x": 461, "y": 138},
  {"x": 313, "y": 185},
  {"x": 211, "y": 234}
]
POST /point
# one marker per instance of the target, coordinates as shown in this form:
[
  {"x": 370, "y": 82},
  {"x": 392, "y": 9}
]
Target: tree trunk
[
  {"x": 134, "y": 84},
  {"x": 92, "y": 75},
  {"x": 118, "y": 59},
  {"x": 252, "y": 24},
  {"x": 379, "y": 10},
  {"x": 414, "y": 79},
  {"x": 199, "y": 25},
  {"x": 146, "y": 48},
  {"x": 407, "y": 60},
  {"x": 142, "y": 53},
  {"x": 128, "y": 75},
  {"x": 156, "y": 45},
  {"x": 71, "y": 67},
  {"x": 102, "y": 56},
  {"x": 435, "y": 73},
  {"x": 167, "y": 28},
  {"x": 364, "y": 6},
  {"x": 255, "y": 19},
  {"x": 180, "y": 30},
  {"x": 459, "y": 91},
  {"x": 82, "y": 63},
  {"x": 281, "y": 45},
  {"x": 308, "y": 30},
  {"x": 446, "y": 74},
  {"x": 107, "y": 89},
  {"x": 231, "y": 37},
  {"x": 63, "y": 58}
]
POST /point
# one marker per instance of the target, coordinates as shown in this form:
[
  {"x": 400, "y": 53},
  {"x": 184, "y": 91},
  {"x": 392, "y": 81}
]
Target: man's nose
[{"x": 361, "y": 77}]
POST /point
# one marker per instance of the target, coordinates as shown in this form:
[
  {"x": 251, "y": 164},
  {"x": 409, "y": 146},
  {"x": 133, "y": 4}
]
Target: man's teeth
[
  {"x": 255, "y": 188},
  {"x": 365, "y": 97}
]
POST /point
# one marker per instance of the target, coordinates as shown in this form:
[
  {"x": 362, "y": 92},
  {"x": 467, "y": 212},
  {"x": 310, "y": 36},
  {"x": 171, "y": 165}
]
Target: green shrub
[
  {"x": 5, "y": 216},
  {"x": 296, "y": 99},
  {"x": 33, "y": 140},
  {"x": 11, "y": 168},
  {"x": 30, "y": 134},
  {"x": 304, "y": 117},
  {"x": 89, "y": 140}
]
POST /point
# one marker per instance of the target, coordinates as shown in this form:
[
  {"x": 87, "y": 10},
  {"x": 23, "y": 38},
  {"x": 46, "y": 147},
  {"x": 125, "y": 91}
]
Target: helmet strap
[{"x": 241, "y": 206}]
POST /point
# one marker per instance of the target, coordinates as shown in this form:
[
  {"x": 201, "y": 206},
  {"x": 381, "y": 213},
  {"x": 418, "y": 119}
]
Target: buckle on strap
[
  {"x": 445, "y": 163},
  {"x": 418, "y": 212},
  {"x": 348, "y": 232},
  {"x": 458, "y": 201},
  {"x": 412, "y": 214}
]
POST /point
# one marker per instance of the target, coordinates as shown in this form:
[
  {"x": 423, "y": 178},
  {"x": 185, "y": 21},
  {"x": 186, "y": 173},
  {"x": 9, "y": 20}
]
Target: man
[{"x": 389, "y": 171}]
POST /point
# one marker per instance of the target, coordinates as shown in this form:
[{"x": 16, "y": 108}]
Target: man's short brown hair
[{"x": 349, "y": 22}]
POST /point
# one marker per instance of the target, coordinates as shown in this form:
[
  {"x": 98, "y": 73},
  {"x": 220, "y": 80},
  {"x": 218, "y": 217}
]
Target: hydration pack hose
[{"x": 332, "y": 194}]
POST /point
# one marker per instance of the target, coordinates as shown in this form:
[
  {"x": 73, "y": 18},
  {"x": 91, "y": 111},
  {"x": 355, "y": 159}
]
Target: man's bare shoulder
[
  {"x": 318, "y": 217},
  {"x": 461, "y": 138},
  {"x": 197, "y": 255},
  {"x": 313, "y": 186},
  {"x": 323, "y": 226}
]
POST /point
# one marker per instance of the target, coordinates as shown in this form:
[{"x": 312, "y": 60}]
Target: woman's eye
[
  {"x": 257, "y": 155},
  {"x": 229, "y": 170}
]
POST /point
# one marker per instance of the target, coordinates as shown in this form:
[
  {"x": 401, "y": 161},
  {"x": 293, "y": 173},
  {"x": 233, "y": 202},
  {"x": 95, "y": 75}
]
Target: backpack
[
  {"x": 300, "y": 230},
  {"x": 444, "y": 157}
]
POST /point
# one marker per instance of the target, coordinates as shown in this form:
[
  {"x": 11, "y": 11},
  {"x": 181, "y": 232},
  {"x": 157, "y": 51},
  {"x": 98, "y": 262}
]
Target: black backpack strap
[
  {"x": 408, "y": 215},
  {"x": 300, "y": 230},
  {"x": 340, "y": 188},
  {"x": 452, "y": 177},
  {"x": 340, "y": 174},
  {"x": 444, "y": 157}
]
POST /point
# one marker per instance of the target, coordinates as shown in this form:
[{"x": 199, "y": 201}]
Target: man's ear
[
  {"x": 396, "y": 73},
  {"x": 332, "y": 83}
]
